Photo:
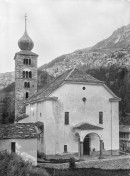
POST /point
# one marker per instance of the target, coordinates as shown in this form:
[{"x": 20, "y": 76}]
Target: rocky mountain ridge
[{"x": 113, "y": 50}]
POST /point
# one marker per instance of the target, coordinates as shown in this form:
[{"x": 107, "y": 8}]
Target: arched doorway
[
  {"x": 86, "y": 145},
  {"x": 92, "y": 144}
]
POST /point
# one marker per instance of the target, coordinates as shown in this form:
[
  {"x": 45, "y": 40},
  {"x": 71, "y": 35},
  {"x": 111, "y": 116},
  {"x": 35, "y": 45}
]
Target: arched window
[
  {"x": 26, "y": 61},
  {"x": 28, "y": 84},
  {"x": 27, "y": 94},
  {"x": 29, "y": 61},
  {"x": 25, "y": 84},
  {"x": 30, "y": 74},
  {"x": 23, "y": 74},
  {"x": 26, "y": 74}
]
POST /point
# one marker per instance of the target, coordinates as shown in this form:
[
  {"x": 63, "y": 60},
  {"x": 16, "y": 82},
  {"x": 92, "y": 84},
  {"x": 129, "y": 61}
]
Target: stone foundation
[{"x": 61, "y": 156}]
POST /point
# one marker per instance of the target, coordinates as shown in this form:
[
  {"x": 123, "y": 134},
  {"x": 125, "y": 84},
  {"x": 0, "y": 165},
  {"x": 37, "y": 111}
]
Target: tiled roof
[
  {"x": 18, "y": 131},
  {"x": 74, "y": 75},
  {"x": 87, "y": 126},
  {"x": 124, "y": 128},
  {"x": 20, "y": 117}
]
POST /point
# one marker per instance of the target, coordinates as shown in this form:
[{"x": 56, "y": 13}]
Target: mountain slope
[
  {"x": 119, "y": 39},
  {"x": 108, "y": 60}
]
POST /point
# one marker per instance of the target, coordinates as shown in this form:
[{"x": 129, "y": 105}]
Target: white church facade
[{"x": 77, "y": 114}]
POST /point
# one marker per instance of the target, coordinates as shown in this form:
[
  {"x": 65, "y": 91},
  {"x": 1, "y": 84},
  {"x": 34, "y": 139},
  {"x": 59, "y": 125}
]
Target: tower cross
[{"x": 25, "y": 21}]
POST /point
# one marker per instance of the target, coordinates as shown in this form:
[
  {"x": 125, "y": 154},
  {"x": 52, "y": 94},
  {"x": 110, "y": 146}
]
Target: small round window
[
  {"x": 84, "y": 88},
  {"x": 84, "y": 99}
]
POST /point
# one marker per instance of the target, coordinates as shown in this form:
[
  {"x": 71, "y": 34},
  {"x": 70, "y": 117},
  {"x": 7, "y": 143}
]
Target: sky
[{"x": 57, "y": 27}]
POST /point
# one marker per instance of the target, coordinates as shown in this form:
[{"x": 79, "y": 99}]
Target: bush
[
  {"x": 38, "y": 172},
  {"x": 72, "y": 163},
  {"x": 13, "y": 165}
]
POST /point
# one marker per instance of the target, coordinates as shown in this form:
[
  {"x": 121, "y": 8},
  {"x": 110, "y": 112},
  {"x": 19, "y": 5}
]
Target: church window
[
  {"x": 30, "y": 74},
  {"x": 84, "y": 88},
  {"x": 26, "y": 74},
  {"x": 27, "y": 95},
  {"x": 26, "y": 61},
  {"x": 101, "y": 117},
  {"x": 65, "y": 148},
  {"x": 27, "y": 84},
  {"x": 13, "y": 147},
  {"x": 23, "y": 74},
  {"x": 29, "y": 61},
  {"x": 84, "y": 99},
  {"x": 40, "y": 114},
  {"x": 66, "y": 118}
]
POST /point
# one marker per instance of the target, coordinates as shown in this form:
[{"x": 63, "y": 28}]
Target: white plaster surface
[
  {"x": 57, "y": 134},
  {"x": 27, "y": 148}
]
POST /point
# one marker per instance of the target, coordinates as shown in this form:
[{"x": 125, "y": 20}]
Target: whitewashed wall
[
  {"x": 51, "y": 113},
  {"x": 27, "y": 148}
]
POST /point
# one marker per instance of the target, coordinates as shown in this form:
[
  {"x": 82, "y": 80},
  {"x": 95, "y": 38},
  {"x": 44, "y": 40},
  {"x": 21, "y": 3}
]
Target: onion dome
[{"x": 25, "y": 42}]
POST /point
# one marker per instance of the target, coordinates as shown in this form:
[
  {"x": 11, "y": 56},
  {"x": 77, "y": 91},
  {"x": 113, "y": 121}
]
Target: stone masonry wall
[
  {"x": 20, "y": 90},
  {"x": 118, "y": 162}
]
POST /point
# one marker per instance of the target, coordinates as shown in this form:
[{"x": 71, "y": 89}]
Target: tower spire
[
  {"x": 25, "y": 21},
  {"x": 25, "y": 42}
]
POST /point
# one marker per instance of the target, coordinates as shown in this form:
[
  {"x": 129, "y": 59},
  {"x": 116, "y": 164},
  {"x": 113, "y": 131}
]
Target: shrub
[
  {"x": 13, "y": 165},
  {"x": 72, "y": 163},
  {"x": 38, "y": 172}
]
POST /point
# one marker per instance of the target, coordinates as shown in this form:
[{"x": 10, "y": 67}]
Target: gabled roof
[
  {"x": 87, "y": 126},
  {"x": 72, "y": 75},
  {"x": 18, "y": 131}
]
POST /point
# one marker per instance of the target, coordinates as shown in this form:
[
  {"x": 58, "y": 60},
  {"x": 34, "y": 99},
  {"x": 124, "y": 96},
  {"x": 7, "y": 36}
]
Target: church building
[{"x": 76, "y": 114}]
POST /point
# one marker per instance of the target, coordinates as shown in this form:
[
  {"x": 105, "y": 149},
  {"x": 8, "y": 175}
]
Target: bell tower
[{"x": 25, "y": 72}]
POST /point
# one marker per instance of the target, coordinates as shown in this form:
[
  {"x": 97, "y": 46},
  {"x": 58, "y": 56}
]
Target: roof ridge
[
  {"x": 69, "y": 73},
  {"x": 45, "y": 88}
]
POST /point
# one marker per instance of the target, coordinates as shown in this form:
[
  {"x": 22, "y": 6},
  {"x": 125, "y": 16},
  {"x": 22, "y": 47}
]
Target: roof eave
[
  {"x": 42, "y": 99},
  {"x": 116, "y": 99}
]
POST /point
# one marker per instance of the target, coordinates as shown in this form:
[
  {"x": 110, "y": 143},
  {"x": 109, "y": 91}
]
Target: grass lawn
[{"x": 88, "y": 172}]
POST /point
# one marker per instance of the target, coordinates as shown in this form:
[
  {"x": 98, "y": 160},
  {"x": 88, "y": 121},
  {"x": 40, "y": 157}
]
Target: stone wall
[
  {"x": 20, "y": 90},
  {"x": 118, "y": 162}
]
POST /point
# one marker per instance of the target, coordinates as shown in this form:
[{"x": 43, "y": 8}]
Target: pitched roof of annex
[{"x": 18, "y": 131}]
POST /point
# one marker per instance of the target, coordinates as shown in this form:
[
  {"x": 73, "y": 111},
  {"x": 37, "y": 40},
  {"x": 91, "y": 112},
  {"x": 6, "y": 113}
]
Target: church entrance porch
[{"x": 90, "y": 141}]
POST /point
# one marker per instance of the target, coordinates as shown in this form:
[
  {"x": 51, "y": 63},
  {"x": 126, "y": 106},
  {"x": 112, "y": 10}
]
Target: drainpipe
[{"x": 111, "y": 128}]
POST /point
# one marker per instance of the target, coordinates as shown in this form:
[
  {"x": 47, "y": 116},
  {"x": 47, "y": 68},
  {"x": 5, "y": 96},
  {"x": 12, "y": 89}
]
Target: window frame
[
  {"x": 65, "y": 149},
  {"x": 100, "y": 117},
  {"x": 13, "y": 147},
  {"x": 66, "y": 118}
]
